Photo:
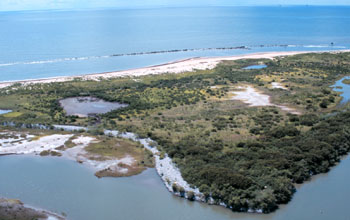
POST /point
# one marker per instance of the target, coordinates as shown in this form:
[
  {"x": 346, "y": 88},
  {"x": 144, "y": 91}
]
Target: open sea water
[
  {"x": 40, "y": 44},
  {"x": 56, "y": 43}
]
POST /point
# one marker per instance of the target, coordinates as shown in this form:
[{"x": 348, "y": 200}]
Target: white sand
[
  {"x": 24, "y": 145},
  {"x": 253, "y": 97},
  {"x": 172, "y": 67},
  {"x": 29, "y": 147},
  {"x": 166, "y": 169},
  {"x": 277, "y": 85}
]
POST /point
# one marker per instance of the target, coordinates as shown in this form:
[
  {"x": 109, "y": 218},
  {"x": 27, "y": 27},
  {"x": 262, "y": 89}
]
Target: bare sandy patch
[
  {"x": 27, "y": 146},
  {"x": 253, "y": 98},
  {"x": 277, "y": 85},
  {"x": 20, "y": 143}
]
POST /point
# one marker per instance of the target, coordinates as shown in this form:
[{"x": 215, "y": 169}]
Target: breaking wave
[{"x": 168, "y": 51}]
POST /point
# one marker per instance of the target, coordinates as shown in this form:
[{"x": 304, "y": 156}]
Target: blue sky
[{"x": 14, "y": 5}]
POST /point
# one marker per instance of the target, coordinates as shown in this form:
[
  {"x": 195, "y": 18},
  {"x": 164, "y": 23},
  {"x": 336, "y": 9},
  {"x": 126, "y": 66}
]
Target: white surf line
[
  {"x": 179, "y": 66},
  {"x": 242, "y": 47}
]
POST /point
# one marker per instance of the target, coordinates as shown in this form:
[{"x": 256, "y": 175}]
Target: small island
[{"x": 227, "y": 135}]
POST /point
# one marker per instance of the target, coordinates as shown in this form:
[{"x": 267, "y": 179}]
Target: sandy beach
[{"x": 180, "y": 66}]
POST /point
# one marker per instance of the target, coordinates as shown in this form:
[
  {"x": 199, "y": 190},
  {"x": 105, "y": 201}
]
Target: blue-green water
[
  {"x": 339, "y": 86},
  {"x": 4, "y": 111},
  {"x": 56, "y": 43},
  {"x": 255, "y": 67},
  {"x": 46, "y": 44},
  {"x": 65, "y": 186}
]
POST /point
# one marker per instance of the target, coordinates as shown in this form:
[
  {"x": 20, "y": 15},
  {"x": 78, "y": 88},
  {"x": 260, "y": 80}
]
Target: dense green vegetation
[
  {"x": 346, "y": 81},
  {"x": 246, "y": 157}
]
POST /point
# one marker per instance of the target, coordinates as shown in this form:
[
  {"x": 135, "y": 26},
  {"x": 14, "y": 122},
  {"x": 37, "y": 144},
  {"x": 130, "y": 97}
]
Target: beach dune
[{"x": 180, "y": 66}]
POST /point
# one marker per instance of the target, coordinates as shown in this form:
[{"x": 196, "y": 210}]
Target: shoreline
[
  {"x": 167, "y": 170},
  {"x": 177, "y": 66},
  {"x": 16, "y": 209}
]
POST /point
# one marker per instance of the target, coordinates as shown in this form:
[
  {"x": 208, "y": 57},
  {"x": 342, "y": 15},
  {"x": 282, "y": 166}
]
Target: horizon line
[{"x": 167, "y": 6}]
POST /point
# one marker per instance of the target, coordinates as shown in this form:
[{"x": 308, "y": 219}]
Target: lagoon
[{"x": 46, "y": 182}]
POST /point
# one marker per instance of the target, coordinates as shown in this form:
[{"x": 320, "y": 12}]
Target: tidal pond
[
  {"x": 84, "y": 106},
  {"x": 255, "y": 67}
]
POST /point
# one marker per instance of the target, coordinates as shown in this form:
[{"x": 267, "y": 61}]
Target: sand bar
[{"x": 180, "y": 66}]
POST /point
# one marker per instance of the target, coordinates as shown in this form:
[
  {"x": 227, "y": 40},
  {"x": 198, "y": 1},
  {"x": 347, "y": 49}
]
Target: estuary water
[
  {"x": 62, "y": 185},
  {"x": 339, "y": 86},
  {"x": 40, "y": 44},
  {"x": 56, "y": 43}
]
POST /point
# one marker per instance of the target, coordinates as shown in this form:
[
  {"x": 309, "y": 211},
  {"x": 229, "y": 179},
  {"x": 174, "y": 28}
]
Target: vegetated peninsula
[
  {"x": 243, "y": 137},
  {"x": 13, "y": 209}
]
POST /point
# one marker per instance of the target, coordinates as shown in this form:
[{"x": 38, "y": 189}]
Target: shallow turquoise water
[
  {"x": 65, "y": 186},
  {"x": 4, "y": 111},
  {"x": 52, "y": 43},
  {"x": 255, "y": 67}
]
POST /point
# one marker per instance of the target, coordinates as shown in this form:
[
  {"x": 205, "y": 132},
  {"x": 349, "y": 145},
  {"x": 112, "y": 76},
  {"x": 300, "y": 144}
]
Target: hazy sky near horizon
[{"x": 15, "y": 5}]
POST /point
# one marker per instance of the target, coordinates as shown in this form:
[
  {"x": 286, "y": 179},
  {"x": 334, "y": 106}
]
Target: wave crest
[{"x": 168, "y": 51}]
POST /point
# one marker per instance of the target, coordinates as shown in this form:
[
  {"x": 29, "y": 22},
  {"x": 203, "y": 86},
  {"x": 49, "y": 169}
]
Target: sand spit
[
  {"x": 180, "y": 66},
  {"x": 27, "y": 145},
  {"x": 16, "y": 143},
  {"x": 96, "y": 162},
  {"x": 253, "y": 98}
]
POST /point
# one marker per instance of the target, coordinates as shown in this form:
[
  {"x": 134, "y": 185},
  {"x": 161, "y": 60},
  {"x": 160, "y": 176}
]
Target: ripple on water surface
[{"x": 65, "y": 186}]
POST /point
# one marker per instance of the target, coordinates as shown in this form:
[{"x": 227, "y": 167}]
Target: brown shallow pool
[{"x": 84, "y": 106}]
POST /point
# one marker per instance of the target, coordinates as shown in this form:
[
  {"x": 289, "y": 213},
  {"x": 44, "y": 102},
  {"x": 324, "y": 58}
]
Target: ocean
[{"x": 41, "y": 44}]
